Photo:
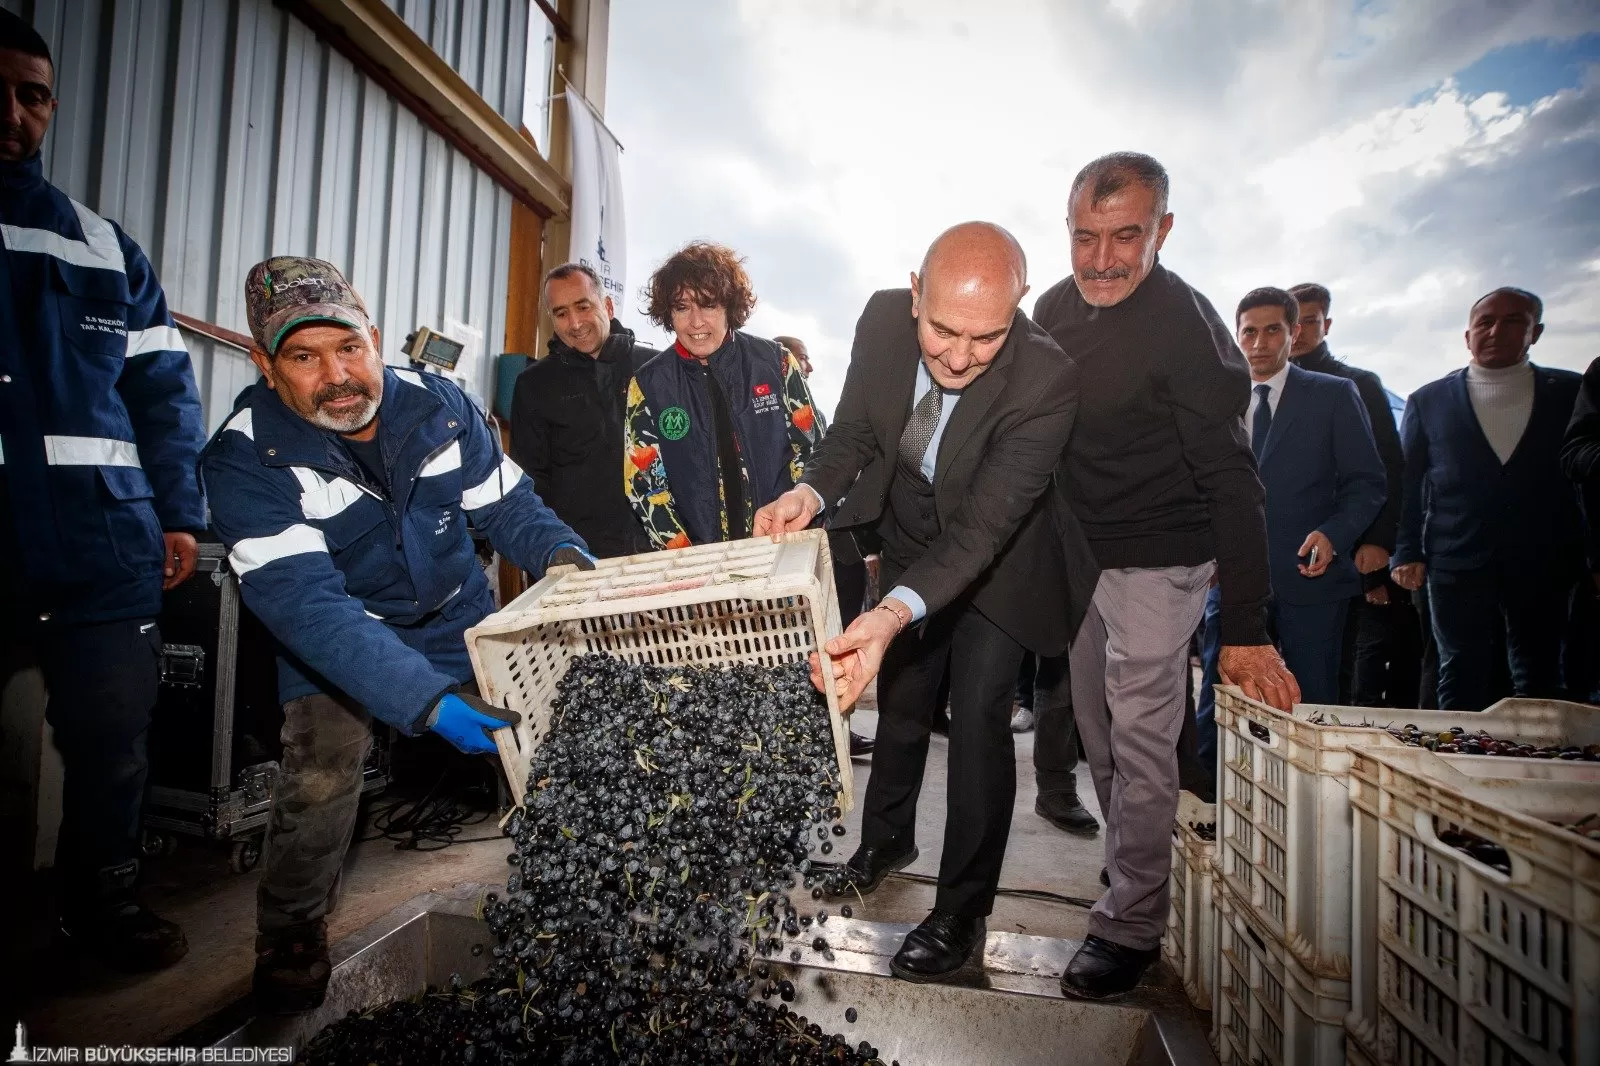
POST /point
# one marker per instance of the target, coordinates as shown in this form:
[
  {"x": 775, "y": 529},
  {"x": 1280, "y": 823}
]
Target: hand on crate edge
[
  {"x": 570, "y": 555},
  {"x": 466, "y": 720},
  {"x": 1260, "y": 673}
]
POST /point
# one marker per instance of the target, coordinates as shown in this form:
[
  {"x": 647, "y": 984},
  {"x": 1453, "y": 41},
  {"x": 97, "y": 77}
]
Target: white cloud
[{"x": 829, "y": 142}]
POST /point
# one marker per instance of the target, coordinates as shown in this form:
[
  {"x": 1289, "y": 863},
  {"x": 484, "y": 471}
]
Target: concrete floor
[{"x": 71, "y": 1001}]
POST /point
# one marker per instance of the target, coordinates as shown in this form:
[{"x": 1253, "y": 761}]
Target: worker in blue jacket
[
  {"x": 99, "y": 428},
  {"x": 343, "y": 490}
]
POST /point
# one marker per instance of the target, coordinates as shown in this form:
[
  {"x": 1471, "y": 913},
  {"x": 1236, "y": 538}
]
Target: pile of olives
[
  {"x": 663, "y": 857},
  {"x": 1458, "y": 741}
]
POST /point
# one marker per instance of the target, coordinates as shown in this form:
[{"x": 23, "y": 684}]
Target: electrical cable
[
  {"x": 1038, "y": 894},
  {"x": 433, "y": 822}
]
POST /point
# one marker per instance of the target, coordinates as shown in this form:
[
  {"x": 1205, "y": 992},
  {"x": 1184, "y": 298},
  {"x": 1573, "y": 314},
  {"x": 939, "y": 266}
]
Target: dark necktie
[
  {"x": 1263, "y": 420},
  {"x": 919, "y": 429}
]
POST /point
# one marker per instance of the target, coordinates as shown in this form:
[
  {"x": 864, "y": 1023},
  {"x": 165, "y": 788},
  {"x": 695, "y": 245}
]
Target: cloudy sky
[{"x": 1408, "y": 154}]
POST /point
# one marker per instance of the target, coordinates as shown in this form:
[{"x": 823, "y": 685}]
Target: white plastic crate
[
  {"x": 1187, "y": 944},
  {"x": 1283, "y": 830},
  {"x": 1456, "y": 961},
  {"x": 1267, "y": 1009},
  {"x": 766, "y": 601}
]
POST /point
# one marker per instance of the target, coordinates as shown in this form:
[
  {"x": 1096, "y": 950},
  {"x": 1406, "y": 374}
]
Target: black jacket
[
  {"x": 1580, "y": 456},
  {"x": 1385, "y": 434},
  {"x": 1159, "y": 469},
  {"x": 566, "y": 432},
  {"x": 1001, "y": 535}
]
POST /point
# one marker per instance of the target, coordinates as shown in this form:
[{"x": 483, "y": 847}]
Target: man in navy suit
[
  {"x": 1324, "y": 485},
  {"x": 1488, "y": 520}
]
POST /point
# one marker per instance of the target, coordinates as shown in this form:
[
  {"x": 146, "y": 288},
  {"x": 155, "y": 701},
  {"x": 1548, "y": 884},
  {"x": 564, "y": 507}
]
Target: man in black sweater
[
  {"x": 1159, "y": 473},
  {"x": 1379, "y": 617},
  {"x": 567, "y": 410}
]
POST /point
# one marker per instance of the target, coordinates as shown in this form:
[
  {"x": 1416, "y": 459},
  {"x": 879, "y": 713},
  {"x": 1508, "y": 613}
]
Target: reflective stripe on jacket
[
  {"x": 100, "y": 419},
  {"x": 368, "y": 593}
]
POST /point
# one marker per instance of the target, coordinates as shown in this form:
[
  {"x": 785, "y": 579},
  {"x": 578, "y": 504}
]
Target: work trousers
[
  {"x": 1472, "y": 608},
  {"x": 982, "y": 661},
  {"x": 101, "y": 680},
  {"x": 1044, "y": 686},
  {"x": 314, "y": 802},
  {"x": 1128, "y": 664}
]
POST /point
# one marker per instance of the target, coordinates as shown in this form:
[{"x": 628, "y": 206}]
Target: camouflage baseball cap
[{"x": 290, "y": 290}]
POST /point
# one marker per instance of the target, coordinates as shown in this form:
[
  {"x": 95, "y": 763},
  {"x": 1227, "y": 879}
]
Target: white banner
[{"x": 599, "y": 231}]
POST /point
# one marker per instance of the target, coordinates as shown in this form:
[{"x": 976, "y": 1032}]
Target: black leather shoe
[
  {"x": 1062, "y": 810},
  {"x": 940, "y": 946},
  {"x": 125, "y": 935},
  {"x": 1103, "y": 970},
  {"x": 861, "y": 747},
  {"x": 869, "y": 866},
  {"x": 1105, "y": 878}
]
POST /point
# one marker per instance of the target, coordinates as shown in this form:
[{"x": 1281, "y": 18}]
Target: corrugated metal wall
[{"x": 219, "y": 132}]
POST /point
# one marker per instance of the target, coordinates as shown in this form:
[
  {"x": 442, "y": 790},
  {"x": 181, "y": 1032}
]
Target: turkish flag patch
[{"x": 763, "y": 389}]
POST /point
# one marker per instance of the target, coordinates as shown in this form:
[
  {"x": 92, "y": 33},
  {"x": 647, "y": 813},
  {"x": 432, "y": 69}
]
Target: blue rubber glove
[
  {"x": 465, "y": 721},
  {"x": 570, "y": 555}
]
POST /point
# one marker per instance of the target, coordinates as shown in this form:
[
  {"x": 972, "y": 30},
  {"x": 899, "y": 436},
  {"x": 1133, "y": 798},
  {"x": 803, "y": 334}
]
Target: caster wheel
[
  {"x": 244, "y": 856},
  {"x": 152, "y": 843}
]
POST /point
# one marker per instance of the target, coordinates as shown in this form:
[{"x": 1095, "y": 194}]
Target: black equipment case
[{"x": 214, "y": 744}]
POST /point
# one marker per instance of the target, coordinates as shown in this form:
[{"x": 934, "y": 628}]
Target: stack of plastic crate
[
  {"x": 1476, "y": 912},
  {"x": 1187, "y": 944},
  {"x": 1284, "y": 829}
]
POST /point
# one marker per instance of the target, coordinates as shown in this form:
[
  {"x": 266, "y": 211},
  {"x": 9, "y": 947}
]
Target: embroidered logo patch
[
  {"x": 674, "y": 423},
  {"x": 764, "y": 399}
]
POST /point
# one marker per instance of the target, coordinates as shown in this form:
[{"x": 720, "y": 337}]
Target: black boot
[
  {"x": 292, "y": 969},
  {"x": 940, "y": 946},
  {"x": 1104, "y": 970},
  {"x": 869, "y": 866},
  {"x": 103, "y": 917},
  {"x": 1060, "y": 807}
]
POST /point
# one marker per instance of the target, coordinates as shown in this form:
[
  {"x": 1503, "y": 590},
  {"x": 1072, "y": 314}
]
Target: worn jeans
[{"x": 314, "y": 801}]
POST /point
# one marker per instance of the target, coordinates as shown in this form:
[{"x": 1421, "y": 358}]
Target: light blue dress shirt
[{"x": 908, "y": 596}]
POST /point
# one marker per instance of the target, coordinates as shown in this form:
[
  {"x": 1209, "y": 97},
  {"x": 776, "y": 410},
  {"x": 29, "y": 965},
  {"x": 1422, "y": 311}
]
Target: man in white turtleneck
[{"x": 1487, "y": 520}]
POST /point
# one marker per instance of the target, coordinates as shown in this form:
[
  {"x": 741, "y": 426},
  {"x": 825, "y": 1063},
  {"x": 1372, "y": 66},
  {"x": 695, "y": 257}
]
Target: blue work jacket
[
  {"x": 369, "y": 590},
  {"x": 100, "y": 419}
]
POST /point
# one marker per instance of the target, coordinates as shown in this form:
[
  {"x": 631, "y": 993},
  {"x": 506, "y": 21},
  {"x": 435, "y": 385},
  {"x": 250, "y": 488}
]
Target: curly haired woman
[{"x": 719, "y": 424}]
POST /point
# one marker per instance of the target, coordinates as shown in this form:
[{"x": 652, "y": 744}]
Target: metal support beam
[{"x": 381, "y": 45}]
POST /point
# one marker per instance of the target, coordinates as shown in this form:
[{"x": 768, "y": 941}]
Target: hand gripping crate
[
  {"x": 1456, "y": 960},
  {"x": 1187, "y": 944},
  {"x": 766, "y": 601},
  {"x": 1283, "y": 830},
  {"x": 1268, "y": 1010}
]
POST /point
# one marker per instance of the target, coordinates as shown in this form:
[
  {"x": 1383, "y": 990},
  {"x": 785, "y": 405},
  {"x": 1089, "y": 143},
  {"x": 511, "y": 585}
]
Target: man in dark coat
[
  {"x": 1382, "y": 621},
  {"x": 953, "y": 415},
  {"x": 1488, "y": 521},
  {"x": 567, "y": 413}
]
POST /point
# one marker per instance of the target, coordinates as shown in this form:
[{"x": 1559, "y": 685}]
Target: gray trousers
[
  {"x": 1128, "y": 665},
  {"x": 314, "y": 802}
]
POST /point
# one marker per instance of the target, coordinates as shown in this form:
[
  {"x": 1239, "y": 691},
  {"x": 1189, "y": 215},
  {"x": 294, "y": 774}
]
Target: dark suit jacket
[
  {"x": 1000, "y": 545},
  {"x": 1321, "y": 470},
  {"x": 1463, "y": 509},
  {"x": 1580, "y": 456}
]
